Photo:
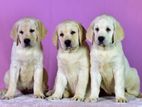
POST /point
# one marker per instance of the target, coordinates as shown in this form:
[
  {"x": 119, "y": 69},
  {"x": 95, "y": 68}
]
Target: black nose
[
  {"x": 101, "y": 39},
  {"x": 27, "y": 42},
  {"x": 68, "y": 43}
]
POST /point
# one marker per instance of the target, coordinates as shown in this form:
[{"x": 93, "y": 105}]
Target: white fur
[{"x": 110, "y": 69}]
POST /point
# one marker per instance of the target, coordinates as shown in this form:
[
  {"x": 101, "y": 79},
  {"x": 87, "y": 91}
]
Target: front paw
[
  {"x": 91, "y": 99},
  {"x": 3, "y": 92},
  {"x": 78, "y": 98},
  {"x": 49, "y": 93},
  {"x": 121, "y": 100},
  {"x": 8, "y": 96},
  {"x": 54, "y": 97},
  {"x": 39, "y": 95}
]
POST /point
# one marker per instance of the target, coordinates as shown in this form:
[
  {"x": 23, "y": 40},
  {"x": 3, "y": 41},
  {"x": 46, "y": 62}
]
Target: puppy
[
  {"x": 73, "y": 61},
  {"x": 26, "y": 71},
  {"x": 110, "y": 69}
]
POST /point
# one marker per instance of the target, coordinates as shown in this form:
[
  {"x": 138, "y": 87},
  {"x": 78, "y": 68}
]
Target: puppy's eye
[
  {"x": 73, "y": 32},
  {"x": 21, "y": 32},
  {"x": 108, "y": 29},
  {"x": 61, "y": 34},
  {"x": 32, "y": 30},
  {"x": 97, "y": 29}
]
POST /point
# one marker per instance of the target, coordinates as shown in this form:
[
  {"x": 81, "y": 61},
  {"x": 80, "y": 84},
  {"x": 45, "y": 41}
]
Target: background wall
[{"x": 52, "y": 12}]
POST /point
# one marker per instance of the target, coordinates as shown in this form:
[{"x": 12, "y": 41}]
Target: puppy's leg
[
  {"x": 119, "y": 75},
  {"x": 38, "y": 82},
  {"x": 133, "y": 83},
  {"x": 60, "y": 85},
  {"x": 133, "y": 91},
  {"x": 95, "y": 81},
  {"x": 12, "y": 82},
  {"x": 6, "y": 82},
  {"x": 82, "y": 83},
  {"x": 45, "y": 80}
]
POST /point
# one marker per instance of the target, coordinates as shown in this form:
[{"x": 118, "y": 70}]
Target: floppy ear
[
  {"x": 90, "y": 33},
  {"x": 14, "y": 33},
  {"x": 82, "y": 34},
  {"x": 119, "y": 33},
  {"x": 55, "y": 39},
  {"x": 42, "y": 29}
]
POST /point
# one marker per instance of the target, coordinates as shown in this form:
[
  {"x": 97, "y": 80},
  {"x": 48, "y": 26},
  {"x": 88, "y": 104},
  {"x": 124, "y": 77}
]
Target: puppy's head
[
  {"x": 69, "y": 35},
  {"x": 105, "y": 31},
  {"x": 28, "y": 32}
]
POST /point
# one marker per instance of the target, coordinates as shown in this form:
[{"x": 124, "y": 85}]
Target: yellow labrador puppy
[
  {"x": 73, "y": 61},
  {"x": 26, "y": 71},
  {"x": 110, "y": 69}
]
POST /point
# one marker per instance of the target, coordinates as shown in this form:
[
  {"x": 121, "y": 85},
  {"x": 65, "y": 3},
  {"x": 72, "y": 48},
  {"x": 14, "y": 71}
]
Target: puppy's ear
[
  {"x": 55, "y": 39},
  {"x": 90, "y": 33},
  {"x": 82, "y": 34},
  {"x": 42, "y": 29},
  {"x": 14, "y": 33},
  {"x": 118, "y": 33}
]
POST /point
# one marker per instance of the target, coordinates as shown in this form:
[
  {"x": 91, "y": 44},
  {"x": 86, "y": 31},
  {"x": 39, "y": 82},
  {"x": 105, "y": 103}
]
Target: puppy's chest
[
  {"x": 26, "y": 60},
  {"x": 69, "y": 60},
  {"x": 104, "y": 57},
  {"x": 26, "y": 74},
  {"x": 105, "y": 64},
  {"x": 106, "y": 72},
  {"x": 70, "y": 64},
  {"x": 26, "y": 57}
]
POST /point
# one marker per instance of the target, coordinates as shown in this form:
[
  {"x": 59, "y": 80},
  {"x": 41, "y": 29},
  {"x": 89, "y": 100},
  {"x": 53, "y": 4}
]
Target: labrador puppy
[
  {"x": 73, "y": 61},
  {"x": 26, "y": 72},
  {"x": 110, "y": 69}
]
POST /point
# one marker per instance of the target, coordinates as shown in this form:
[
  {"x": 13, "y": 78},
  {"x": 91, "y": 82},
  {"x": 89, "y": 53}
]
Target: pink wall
[{"x": 51, "y": 12}]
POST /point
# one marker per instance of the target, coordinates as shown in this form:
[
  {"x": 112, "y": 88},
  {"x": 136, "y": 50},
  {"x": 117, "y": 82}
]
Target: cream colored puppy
[
  {"x": 110, "y": 69},
  {"x": 73, "y": 61},
  {"x": 26, "y": 71}
]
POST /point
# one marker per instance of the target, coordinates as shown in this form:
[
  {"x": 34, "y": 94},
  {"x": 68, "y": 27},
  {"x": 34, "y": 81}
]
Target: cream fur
[
  {"x": 26, "y": 68},
  {"x": 110, "y": 69},
  {"x": 73, "y": 63}
]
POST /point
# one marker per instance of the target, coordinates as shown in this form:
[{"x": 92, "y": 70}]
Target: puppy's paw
[
  {"x": 49, "y": 93},
  {"x": 40, "y": 95},
  {"x": 66, "y": 94},
  {"x": 121, "y": 100},
  {"x": 54, "y": 97},
  {"x": 8, "y": 96},
  {"x": 3, "y": 92},
  {"x": 78, "y": 98},
  {"x": 91, "y": 99}
]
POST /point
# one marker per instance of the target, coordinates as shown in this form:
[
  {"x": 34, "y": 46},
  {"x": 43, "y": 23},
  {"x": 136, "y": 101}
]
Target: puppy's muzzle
[
  {"x": 27, "y": 42},
  {"x": 101, "y": 39},
  {"x": 67, "y": 43}
]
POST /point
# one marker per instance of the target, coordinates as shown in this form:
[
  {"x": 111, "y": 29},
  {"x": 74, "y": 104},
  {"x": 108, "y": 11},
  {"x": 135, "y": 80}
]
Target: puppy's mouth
[
  {"x": 71, "y": 49},
  {"x": 68, "y": 47},
  {"x": 101, "y": 44},
  {"x": 27, "y": 45}
]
